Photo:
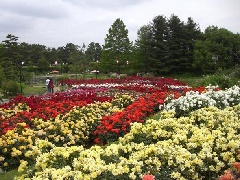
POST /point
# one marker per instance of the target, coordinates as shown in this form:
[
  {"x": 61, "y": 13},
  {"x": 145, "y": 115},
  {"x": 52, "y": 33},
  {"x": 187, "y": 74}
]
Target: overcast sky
[{"x": 54, "y": 23}]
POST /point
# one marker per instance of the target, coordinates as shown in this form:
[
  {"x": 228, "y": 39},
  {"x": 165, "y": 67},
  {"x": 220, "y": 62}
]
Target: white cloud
[{"x": 55, "y": 23}]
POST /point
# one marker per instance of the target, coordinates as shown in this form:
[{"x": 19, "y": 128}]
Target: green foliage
[
  {"x": 2, "y": 76},
  {"x": 222, "y": 78},
  {"x": 219, "y": 48},
  {"x": 166, "y": 45},
  {"x": 143, "y": 49},
  {"x": 117, "y": 47},
  {"x": 10, "y": 88},
  {"x": 43, "y": 65},
  {"x": 234, "y": 72},
  {"x": 93, "y": 52},
  {"x": 9, "y": 175}
]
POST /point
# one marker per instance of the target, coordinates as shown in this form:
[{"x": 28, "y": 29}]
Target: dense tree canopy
[
  {"x": 166, "y": 45},
  {"x": 218, "y": 49}
]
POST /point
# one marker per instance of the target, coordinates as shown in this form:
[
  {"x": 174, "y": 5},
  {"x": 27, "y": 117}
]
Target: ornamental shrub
[{"x": 10, "y": 88}]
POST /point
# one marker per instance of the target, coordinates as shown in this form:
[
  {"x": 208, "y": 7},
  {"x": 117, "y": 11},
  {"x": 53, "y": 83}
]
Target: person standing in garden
[
  {"x": 47, "y": 84},
  {"x": 51, "y": 86}
]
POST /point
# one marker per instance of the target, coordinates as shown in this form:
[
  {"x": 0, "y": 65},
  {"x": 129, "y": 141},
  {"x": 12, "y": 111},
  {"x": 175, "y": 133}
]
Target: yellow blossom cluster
[
  {"x": 70, "y": 129},
  {"x": 7, "y": 113},
  {"x": 15, "y": 145},
  {"x": 74, "y": 127},
  {"x": 200, "y": 146}
]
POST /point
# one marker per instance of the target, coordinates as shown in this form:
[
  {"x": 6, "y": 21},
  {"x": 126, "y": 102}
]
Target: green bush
[
  {"x": 10, "y": 88},
  {"x": 221, "y": 80}
]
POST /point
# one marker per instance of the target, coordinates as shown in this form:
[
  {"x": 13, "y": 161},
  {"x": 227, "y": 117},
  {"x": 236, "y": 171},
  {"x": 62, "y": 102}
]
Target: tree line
[{"x": 163, "y": 46}]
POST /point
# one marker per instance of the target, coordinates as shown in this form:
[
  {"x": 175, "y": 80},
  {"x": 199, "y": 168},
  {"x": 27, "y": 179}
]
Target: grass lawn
[
  {"x": 34, "y": 89},
  {"x": 9, "y": 175}
]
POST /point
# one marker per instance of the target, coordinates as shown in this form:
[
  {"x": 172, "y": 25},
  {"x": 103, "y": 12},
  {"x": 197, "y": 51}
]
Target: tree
[
  {"x": 78, "y": 62},
  {"x": 93, "y": 52},
  {"x": 219, "y": 49},
  {"x": 25, "y": 50},
  {"x": 175, "y": 44},
  {"x": 43, "y": 65},
  {"x": 37, "y": 52},
  {"x": 11, "y": 60},
  {"x": 2, "y": 76},
  {"x": 143, "y": 49},
  {"x": 51, "y": 55},
  {"x": 93, "y": 56},
  {"x": 11, "y": 45},
  {"x": 192, "y": 33},
  {"x": 158, "y": 59},
  {"x": 235, "y": 52},
  {"x": 117, "y": 47}
]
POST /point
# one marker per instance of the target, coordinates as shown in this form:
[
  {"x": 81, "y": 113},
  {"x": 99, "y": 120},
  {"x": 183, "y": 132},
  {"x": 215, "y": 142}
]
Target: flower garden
[{"x": 130, "y": 128}]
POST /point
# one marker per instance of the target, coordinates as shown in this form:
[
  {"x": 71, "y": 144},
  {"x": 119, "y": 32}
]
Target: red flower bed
[
  {"x": 45, "y": 107},
  {"x": 152, "y": 90},
  {"x": 118, "y": 124}
]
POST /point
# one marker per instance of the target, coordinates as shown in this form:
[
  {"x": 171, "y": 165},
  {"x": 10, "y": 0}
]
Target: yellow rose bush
[{"x": 199, "y": 146}]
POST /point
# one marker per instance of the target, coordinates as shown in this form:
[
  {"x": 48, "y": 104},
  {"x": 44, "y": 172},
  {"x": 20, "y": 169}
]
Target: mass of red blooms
[
  {"x": 49, "y": 106},
  {"x": 118, "y": 124},
  {"x": 232, "y": 174},
  {"x": 45, "y": 107}
]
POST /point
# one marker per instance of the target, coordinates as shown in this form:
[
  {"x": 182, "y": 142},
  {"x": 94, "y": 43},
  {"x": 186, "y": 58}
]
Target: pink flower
[{"x": 148, "y": 177}]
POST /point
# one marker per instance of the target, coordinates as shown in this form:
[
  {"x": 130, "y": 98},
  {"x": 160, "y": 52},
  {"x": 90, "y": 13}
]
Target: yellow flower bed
[{"x": 200, "y": 146}]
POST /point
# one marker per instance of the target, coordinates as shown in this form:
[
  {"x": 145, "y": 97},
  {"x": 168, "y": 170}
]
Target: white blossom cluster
[
  {"x": 177, "y": 87},
  {"x": 194, "y": 100},
  {"x": 111, "y": 85}
]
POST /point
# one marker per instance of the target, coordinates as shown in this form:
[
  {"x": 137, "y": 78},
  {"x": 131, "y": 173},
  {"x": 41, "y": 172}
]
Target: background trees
[
  {"x": 167, "y": 45},
  {"x": 163, "y": 46},
  {"x": 218, "y": 49},
  {"x": 11, "y": 57},
  {"x": 93, "y": 56},
  {"x": 143, "y": 49}
]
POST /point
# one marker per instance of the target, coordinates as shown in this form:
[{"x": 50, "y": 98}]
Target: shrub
[{"x": 10, "y": 88}]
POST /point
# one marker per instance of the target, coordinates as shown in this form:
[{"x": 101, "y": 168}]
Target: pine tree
[
  {"x": 11, "y": 61},
  {"x": 117, "y": 47},
  {"x": 143, "y": 49},
  {"x": 192, "y": 33},
  {"x": 158, "y": 57},
  {"x": 175, "y": 44}
]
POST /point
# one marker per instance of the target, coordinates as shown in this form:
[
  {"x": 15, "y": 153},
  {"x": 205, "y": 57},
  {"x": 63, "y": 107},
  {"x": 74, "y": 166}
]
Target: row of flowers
[
  {"x": 65, "y": 124},
  {"x": 61, "y": 130},
  {"x": 49, "y": 106},
  {"x": 73, "y": 128},
  {"x": 137, "y": 84},
  {"x": 25, "y": 109},
  {"x": 194, "y": 100},
  {"x": 199, "y": 146}
]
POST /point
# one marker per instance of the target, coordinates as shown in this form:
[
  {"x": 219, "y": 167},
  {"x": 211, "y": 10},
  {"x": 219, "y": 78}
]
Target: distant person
[
  {"x": 47, "y": 84},
  {"x": 51, "y": 86}
]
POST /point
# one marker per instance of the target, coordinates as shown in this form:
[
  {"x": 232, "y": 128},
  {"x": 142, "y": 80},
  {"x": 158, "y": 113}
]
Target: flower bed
[{"x": 58, "y": 141}]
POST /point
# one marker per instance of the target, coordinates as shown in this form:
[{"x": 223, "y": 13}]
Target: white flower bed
[{"x": 194, "y": 100}]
